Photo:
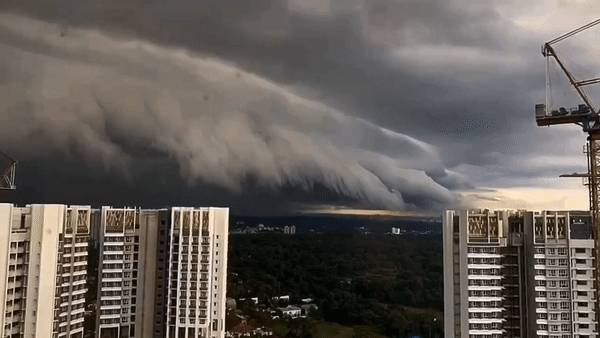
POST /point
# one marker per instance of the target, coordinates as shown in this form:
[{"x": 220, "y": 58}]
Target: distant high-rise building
[
  {"x": 289, "y": 229},
  {"x": 518, "y": 274},
  {"x": 43, "y": 277}
]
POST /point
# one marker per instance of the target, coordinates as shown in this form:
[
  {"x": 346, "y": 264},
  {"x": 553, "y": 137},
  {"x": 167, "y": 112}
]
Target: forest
[{"x": 392, "y": 285}]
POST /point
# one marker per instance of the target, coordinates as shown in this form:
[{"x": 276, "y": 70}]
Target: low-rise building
[{"x": 290, "y": 311}]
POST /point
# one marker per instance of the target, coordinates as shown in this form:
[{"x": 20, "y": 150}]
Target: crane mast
[
  {"x": 8, "y": 167},
  {"x": 586, "y": 116}
]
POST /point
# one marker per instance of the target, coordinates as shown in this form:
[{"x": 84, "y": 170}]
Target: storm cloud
[{"x": 385, "y": 104}]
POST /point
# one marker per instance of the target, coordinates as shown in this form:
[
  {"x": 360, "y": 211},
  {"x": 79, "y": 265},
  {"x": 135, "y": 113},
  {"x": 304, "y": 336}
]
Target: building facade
[
  {"x": 518, "y": 274},
  {"x": 197, "y": 275},
  {"x": 561, "y": 274},
  {"x": 157, "y": 273},
  {"x": 482, "y": 270},
  {"x": 162, "y": 273},
  {"x": 43, "y": 274},
  {"x": 127, "y": 239}
]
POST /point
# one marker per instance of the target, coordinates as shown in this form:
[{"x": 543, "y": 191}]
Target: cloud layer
[
  {"x": 374, "y": 103},
  {"x": 107, "y": 99}
]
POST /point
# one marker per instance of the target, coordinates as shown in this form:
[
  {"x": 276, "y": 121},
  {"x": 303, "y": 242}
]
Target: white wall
[
  {"x": 5, "y": 226},
  {"x": 47, "y": 223}
]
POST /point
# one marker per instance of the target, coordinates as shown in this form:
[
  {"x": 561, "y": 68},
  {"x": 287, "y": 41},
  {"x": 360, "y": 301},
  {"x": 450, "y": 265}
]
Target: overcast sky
[{"x": 277, "y": 106}]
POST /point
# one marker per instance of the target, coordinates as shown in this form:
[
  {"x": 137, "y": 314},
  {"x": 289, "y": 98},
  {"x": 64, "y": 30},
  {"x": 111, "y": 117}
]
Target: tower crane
[
  {"x": 585, "y": 115},
  {"x": 8, "y": 167}
]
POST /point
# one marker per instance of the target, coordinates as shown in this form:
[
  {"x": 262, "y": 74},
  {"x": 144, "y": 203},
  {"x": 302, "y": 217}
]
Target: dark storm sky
[{"x": 270, "y": 106}]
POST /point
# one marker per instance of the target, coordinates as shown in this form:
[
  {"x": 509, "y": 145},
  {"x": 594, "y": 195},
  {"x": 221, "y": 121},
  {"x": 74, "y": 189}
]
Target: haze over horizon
[{"x": 275, "y": 107}]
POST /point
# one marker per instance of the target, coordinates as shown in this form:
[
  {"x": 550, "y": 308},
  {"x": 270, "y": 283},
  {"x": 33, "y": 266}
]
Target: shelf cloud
[
  {"x": 99, "y": 96},
  {"x": 402, "y": 105}
]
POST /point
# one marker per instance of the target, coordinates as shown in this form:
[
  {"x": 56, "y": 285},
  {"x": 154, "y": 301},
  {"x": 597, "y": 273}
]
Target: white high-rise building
[
  {"x": 127, "y": 248},
  {"x": 477, "y": 245},
  {"x": 561, "y": 274},
  {"x": 162, "y": 273},
  {"x": 519, "y": 274},
  {"x": 43, "y": 269},
  {"x": 197, "y": 273}
]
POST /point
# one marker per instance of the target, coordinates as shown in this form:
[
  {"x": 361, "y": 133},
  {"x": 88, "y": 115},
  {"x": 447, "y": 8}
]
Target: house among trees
[{"x": 290, "y": 311}]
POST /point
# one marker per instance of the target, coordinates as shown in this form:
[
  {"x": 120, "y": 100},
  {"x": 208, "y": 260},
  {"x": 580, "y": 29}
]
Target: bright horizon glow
[{"x": 570, "y": 196}]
